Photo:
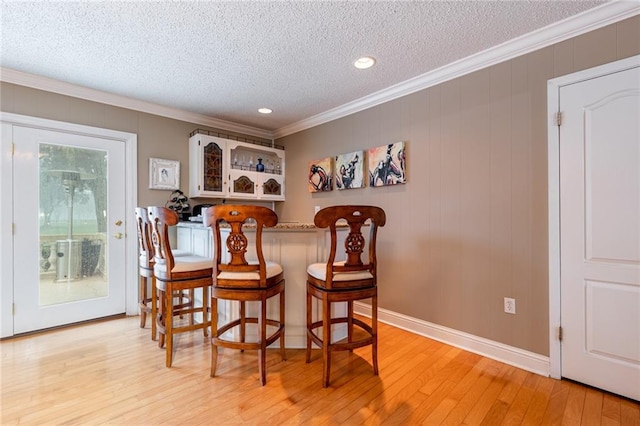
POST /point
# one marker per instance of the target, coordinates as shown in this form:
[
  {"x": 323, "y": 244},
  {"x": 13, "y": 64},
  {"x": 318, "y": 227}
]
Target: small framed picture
[{"x": 164, "y": 174}]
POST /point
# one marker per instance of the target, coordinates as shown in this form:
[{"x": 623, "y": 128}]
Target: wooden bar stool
[
  {"x": 344, "y": 281},
  {"x": 239, "y": 280},
  {"x": 174, "y": 275},
  {"x": 148, "y": 303}
]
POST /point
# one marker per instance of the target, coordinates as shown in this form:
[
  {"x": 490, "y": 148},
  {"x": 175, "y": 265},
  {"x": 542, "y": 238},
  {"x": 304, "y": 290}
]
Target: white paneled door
[
  {"x": 69, "y": 228},
  {"x": 600, "y": 231}
]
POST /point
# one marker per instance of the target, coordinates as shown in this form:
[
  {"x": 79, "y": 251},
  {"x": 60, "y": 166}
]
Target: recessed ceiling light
[
  {"x": 264, "y": 111},
  {"x": 364, "y": 62}
]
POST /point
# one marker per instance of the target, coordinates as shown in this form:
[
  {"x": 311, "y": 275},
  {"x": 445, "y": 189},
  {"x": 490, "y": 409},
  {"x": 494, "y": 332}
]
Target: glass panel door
[
  {"x": 72, "y": 213},
  {"x": 69, "y": 213}
]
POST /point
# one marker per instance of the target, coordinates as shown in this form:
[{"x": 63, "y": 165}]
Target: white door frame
[
  {"x": 6, "y": 208},
  {"x": 553, "y": 145}
]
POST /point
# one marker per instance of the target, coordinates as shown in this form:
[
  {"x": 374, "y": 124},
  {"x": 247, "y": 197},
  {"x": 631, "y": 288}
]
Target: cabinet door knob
[
  {"x": 118, "y": 222},
  {"x": 118, "y": 235}
]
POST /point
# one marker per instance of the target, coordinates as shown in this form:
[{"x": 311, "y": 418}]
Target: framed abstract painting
[
  {"x": 350, "y": 170},
  {"x": 387, "y": 164},
  {"x": 320, "y": 175}
]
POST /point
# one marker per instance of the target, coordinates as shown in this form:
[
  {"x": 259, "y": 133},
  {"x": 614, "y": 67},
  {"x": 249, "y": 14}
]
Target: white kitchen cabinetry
[
  {"x": 207, "y": 166},
  {"x": 246, "y": 181},
  {"x": 183, "y": 238},
  {"x": 202, "y": 242},
  {"x": 195, "y": 239},
  {"x": 223, "y": 168},
  {"x": 255, "y": 185}
]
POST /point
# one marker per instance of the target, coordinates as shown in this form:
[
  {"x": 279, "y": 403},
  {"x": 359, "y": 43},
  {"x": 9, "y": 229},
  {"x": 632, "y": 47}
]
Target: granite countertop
[
  {"x": 293, "y": 225},
  {"x": 279, "y": 226},
  {"x": 284, "y": 225}
]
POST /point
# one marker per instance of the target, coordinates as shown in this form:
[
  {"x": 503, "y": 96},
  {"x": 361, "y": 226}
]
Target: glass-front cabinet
[
  {"x": 222, "y": 168},
  {"x": 255, "y": 172},
  {"x": 207, "y": 170}
]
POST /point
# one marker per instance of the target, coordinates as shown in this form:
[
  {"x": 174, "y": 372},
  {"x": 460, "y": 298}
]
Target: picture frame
[
  {"x": 387, "y": 164},
  {"x": 349, "y": 170},
  {"x": 164, "y": 174},
  {"x": 320, "y": 175}
]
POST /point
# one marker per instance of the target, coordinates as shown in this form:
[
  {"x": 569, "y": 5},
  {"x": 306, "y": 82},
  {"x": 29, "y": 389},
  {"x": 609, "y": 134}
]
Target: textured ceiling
[{"x": 227, "y": 59}]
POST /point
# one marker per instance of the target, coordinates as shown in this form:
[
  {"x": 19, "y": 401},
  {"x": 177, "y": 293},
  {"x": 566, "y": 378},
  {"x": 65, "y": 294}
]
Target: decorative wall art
[
  {"x": 350, "y": 170},
  {"x": 164, "y": 174},
  {"x": 387, "y": 164},
  {"x": 320, "y": 175}
]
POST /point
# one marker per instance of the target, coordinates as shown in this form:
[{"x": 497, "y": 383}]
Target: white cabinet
[
  {"x": 255, "y": 185},
  {"x": 222, "y": 168},
  {"x": 202, "y": 242},
  {"x": 183, "y": 237},
  {"x": 255, "y": 172},
  {"x": 207, "y": 166},
  {"x": 195, "y": 239}
]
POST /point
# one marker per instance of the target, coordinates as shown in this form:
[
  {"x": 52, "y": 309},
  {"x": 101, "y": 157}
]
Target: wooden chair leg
[
  {"x": 214, "y": 335},
  {"x": 154, "y": 309},
  {"x": 193, "y": 305},
  {"x": 160, "y": 319},
  {"x": 326, "y": 341},
  {"x": 205, "y": 311},
  {"x": 168, "y": 323},
  {"x": 262, "y": 353},
  {"x": 243, "y": 323},
  {"x": 309, "y": 322},
  {"x": 142, "y": 294},
  {"x": 374, "y": 327},
  {"x": 282, "y": 351},
  {"x": 350, "y": 322}
]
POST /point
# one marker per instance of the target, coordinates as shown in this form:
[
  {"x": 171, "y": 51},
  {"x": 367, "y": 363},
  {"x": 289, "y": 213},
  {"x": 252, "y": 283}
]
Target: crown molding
[
  {"x": 579, "y": 24},
  {"x": 56, "y": 86},
  {"x": 571, "y": 27}
]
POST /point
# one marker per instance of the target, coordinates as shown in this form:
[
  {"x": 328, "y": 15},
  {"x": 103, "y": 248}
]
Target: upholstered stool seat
[{"x": 319, "y": 271}]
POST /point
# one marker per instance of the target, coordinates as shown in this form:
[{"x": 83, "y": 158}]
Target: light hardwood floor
[{"x": 110, "y": 372}]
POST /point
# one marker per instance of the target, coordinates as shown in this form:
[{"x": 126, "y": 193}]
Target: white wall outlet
[
  {"x": 316, "y": 209},
  {"x": 510, "y": 305}
]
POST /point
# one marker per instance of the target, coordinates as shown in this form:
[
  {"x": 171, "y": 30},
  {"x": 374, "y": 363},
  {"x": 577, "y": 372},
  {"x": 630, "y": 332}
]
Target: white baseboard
[{"x": 510, "y": 355}]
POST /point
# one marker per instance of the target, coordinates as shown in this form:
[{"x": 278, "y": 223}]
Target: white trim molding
[
  {"x": 589, "y": 20},
  {"x": 510, "y": 355},
  {"x": 56, "y": 86}
]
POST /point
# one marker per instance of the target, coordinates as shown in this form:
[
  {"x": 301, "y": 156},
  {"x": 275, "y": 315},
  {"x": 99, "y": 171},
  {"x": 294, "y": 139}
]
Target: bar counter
[{"x": 292, "y": 244}]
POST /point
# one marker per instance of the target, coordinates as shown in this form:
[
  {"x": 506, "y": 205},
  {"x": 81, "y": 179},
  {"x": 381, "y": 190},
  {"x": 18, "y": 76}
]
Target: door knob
[
  {"x": 118, "y": 222},
  {"x": 118, "y": 235}
]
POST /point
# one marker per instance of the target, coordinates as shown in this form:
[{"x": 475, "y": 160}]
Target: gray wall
[
  {"x": 470, "y": 226},
  {"x": 468, "y": 229},
  {"x": 158, "y": 137}
]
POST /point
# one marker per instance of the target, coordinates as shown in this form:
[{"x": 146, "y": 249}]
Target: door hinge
[
  {"x": 13, "y": 309},
  {"x": 13, "y": 229},
  {"x": 558, "y": 118},
  {"x": 560, "y": 333},
  {"x": 13, "y": 148}
]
